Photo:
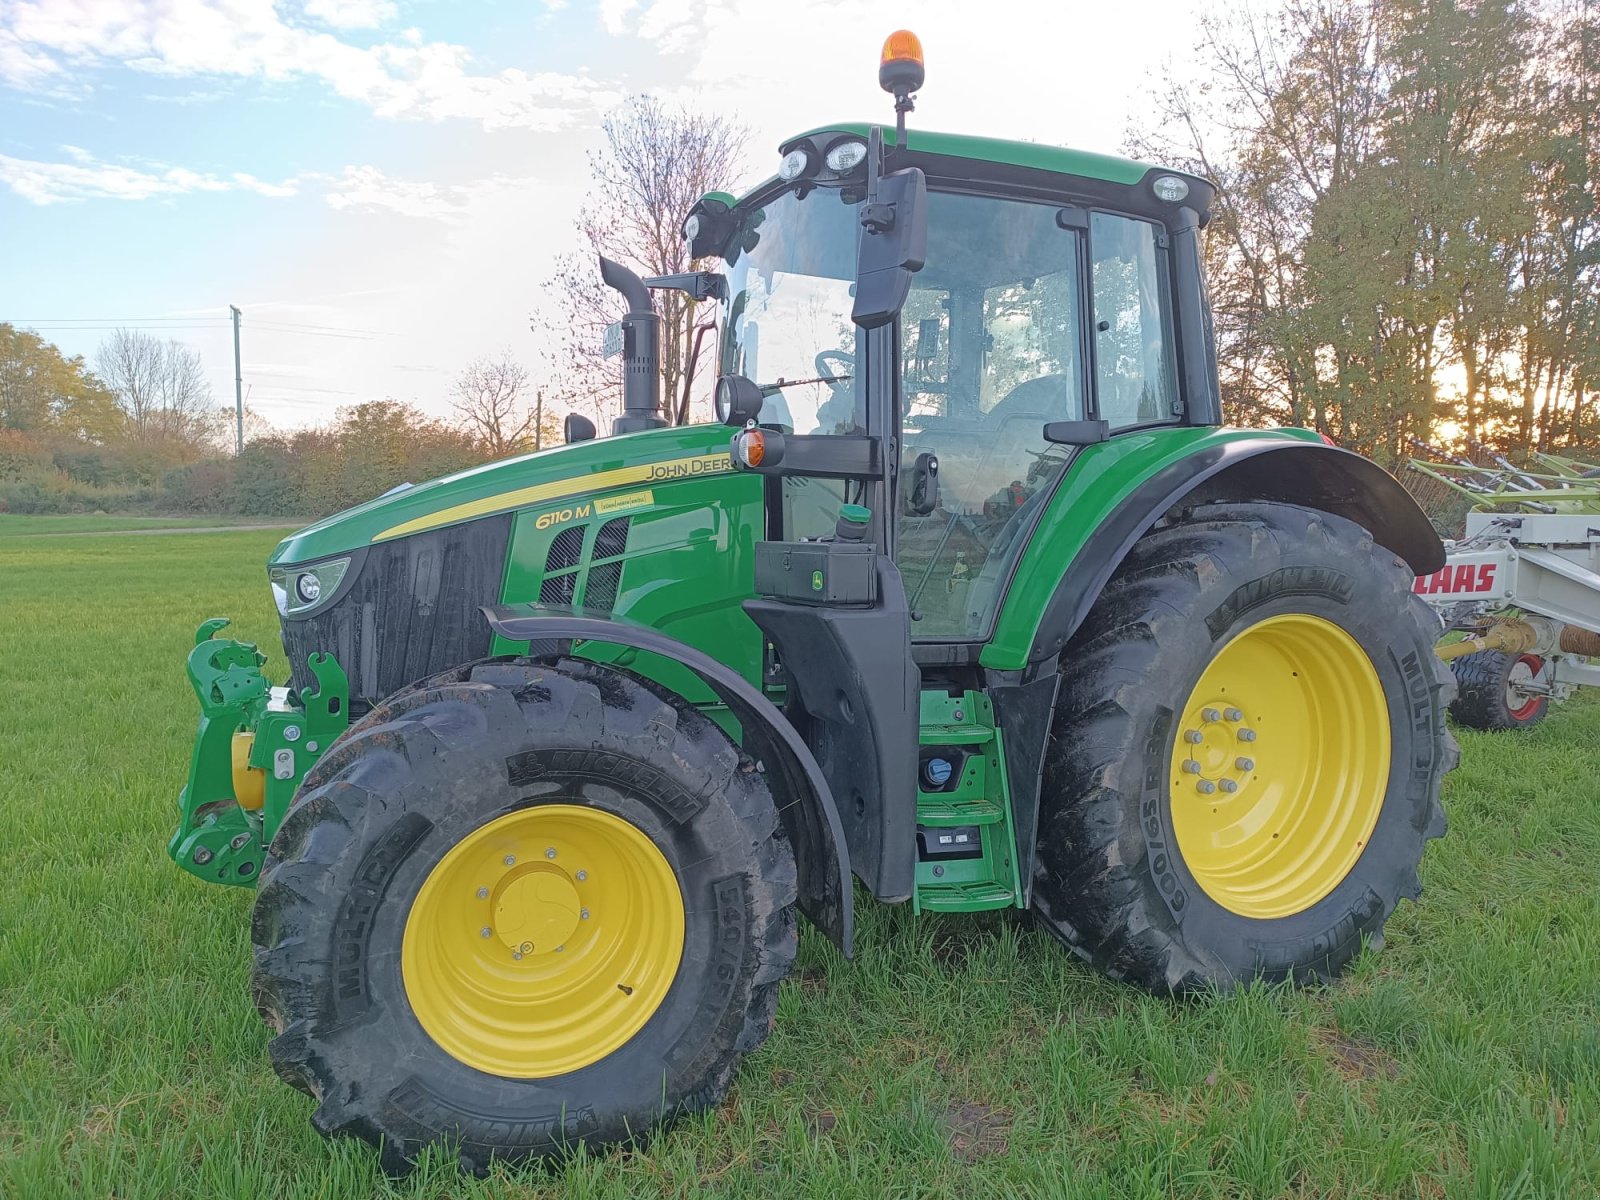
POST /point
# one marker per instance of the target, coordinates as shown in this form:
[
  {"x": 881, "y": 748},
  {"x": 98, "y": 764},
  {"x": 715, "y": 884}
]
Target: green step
[
  {"x": 956, "y": 735},
  {"x": 935, "y": 808},
  {"x": 963, "y": 897}
]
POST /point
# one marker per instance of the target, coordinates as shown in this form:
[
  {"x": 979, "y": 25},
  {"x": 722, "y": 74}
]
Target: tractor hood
[{"x": 548, "y": 476}]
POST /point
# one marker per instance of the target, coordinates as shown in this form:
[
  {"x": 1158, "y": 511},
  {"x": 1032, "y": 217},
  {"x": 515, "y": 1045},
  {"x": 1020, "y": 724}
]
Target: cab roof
[{"x": 1031, "y": 155}]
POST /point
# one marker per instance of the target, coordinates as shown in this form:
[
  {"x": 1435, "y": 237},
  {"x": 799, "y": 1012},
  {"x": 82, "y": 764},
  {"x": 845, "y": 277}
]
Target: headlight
[
  {"x": 795, "y": 164},
  {"x": 1170, "y": 188},
  {"x": 691, "y": 227},
  {"x": 298, "y": 590},
  {"x": 844, "y": 157}
]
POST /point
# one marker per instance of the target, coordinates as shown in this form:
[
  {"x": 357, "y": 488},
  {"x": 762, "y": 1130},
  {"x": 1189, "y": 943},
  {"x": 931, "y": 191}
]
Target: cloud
[
  {"x": 352, "y": 14},
  {"x": 87, "y": 178},
  {"x": 367, "y": 189},
  {"x": 410, "y": 78}
]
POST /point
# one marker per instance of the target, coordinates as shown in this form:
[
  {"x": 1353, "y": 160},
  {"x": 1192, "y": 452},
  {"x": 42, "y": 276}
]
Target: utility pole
[{"x": 238, "y": 388}]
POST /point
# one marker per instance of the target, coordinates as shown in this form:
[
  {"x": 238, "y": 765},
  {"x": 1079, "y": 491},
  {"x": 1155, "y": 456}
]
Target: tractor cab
[{"x": 1043, "y": 315}]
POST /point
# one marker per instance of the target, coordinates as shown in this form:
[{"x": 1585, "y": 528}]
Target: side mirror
[
  {"x": 738, "y": 400},
  {"x": 922, "y": 494},
  {"x": 893, "y": 246},
  {"x": 577, "y": 428}
]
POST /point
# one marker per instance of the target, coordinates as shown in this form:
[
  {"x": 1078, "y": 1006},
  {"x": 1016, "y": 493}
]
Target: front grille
[{"x": 410, "y": 611}]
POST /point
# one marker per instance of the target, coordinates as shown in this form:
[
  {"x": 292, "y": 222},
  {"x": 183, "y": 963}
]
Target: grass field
[
  {"x": 14, "y": 525},
  {"x": 951, "y": 1058}
]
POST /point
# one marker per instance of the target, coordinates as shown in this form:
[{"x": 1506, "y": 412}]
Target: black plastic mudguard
[
  {"x": 805, "y": 802},
  {"x": 859, "y": 691}
]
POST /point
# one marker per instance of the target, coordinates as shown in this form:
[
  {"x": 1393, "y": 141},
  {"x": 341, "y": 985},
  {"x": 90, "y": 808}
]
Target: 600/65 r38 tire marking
[
  {"x": 1156, "y": 861},
  {"x": 447, "y": 780}
]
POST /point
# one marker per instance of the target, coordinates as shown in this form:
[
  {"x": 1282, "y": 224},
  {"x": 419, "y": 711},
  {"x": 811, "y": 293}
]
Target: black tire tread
[
  {"x": 1480, "y": 701},
  {"x": 1096, "y": 907},
  {"x": 404, "y": 737}
]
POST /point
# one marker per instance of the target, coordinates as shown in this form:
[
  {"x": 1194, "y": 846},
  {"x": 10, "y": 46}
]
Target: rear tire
[
  {"x": 1114, "y": 877},
  {"x": 346, "y": 911},
  {"x": 1485, "y": 697}
]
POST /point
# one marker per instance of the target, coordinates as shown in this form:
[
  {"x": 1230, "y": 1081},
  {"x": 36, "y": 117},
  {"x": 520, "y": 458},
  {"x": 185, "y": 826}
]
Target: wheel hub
[{"x": 536, "y": 910}]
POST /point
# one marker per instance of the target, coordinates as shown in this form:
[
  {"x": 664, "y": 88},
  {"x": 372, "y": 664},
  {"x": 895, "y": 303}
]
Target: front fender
[{"x": 805, "y": 803}]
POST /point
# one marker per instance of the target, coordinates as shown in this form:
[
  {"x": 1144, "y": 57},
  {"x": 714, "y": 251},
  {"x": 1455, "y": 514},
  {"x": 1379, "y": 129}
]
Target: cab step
[{"x": 966, "y": 855}]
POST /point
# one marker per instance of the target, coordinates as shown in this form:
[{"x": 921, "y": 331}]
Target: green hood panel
[{"x": 545, "y": 477}]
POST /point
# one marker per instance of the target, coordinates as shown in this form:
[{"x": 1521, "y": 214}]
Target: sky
[{"x": 383, "y": 186}]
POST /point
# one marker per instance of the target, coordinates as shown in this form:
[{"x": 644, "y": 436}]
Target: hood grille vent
[{"x": 568, "y": 575}]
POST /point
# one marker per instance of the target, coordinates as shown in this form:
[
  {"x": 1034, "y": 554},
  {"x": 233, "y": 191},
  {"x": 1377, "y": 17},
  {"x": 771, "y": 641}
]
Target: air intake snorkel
[{"x": 641, "y": 352}]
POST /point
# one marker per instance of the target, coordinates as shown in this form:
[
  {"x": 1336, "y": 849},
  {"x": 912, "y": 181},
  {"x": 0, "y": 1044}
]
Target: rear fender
[
  {"x": 1280, "y": 470},
  {"x": 805, "y": 803}
]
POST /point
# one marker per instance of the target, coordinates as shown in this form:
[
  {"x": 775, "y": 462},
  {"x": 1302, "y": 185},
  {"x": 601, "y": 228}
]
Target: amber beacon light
[{"x": 900, "y": 70}]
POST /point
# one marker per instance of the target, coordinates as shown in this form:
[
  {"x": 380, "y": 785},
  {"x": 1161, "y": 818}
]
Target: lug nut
[
  {"x": 1245, "y": 764},
  {"x": 517, "y": 954},
  {"x": 1193, "y": 736},
  {"x": 550, "y": 852},
  {"x": 582, "y": 875},
  {"x": 202, "y": 856},
  {"x": 1247, "y": 735},
  {"x": 1190, "y": 767},
  {"x": 559, "y": 949},
  {"x": 1205, "y": 787},
  {"x": 483, "y": 893},
  {"x": 511, "y": 860},
  {"x": 583, "y": 914},
  {"x": 1232, "y": 714},
  {"x": 485, "y": 931},
  {"x": 1228, "y": 785},
  {"x": 1210, "y": 714}
]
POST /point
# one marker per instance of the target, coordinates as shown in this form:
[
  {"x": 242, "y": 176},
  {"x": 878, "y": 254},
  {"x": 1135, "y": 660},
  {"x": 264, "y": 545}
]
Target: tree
[
  {"x": 47, "y": 395},
  {"x": 160, "y": 386},
  {"x": 657, "y": 162},
  {"x": 1381, "y": 165},
  {"x": 490, "y": 399}
]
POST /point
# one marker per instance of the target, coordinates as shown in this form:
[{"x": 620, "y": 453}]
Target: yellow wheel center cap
[{"x": 537, "y": 910}]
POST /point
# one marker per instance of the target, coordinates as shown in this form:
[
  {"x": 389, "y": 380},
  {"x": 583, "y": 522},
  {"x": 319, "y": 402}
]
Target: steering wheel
[
  {"x": 838, "y": 409},
  {"x": 830, "y": 362}
]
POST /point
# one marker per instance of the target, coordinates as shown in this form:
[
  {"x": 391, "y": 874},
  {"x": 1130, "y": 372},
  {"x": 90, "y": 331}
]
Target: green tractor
[{"x": 970, "y": 597}]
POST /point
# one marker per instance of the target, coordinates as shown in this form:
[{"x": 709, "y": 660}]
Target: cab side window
[{"x": 1136, "y": 375}]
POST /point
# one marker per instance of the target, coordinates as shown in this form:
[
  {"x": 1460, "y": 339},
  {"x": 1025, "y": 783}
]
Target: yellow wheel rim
[
  {"x": 1280, "y": 766},
  {"x": 543, "y": 941}
]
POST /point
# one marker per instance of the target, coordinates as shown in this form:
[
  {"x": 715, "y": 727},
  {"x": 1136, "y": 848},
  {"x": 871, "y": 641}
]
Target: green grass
[
  {"x": 953, "y": 1057},
  {"x": 12, "y": 524}
]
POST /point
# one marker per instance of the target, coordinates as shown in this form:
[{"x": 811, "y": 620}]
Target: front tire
[
  {"x": 1247, "y": 754},
  {"x": 532, "y": 907}
]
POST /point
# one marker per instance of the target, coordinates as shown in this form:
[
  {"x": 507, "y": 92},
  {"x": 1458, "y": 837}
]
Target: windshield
[{"x": 791, "y": 283}]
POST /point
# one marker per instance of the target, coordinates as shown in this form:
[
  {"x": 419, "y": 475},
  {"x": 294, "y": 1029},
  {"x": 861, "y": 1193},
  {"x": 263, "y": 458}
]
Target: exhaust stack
[{"x": 641, "y": 352}]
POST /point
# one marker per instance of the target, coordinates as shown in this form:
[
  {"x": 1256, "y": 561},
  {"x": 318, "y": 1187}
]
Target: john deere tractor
[{"x": 968, "y": 603}]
